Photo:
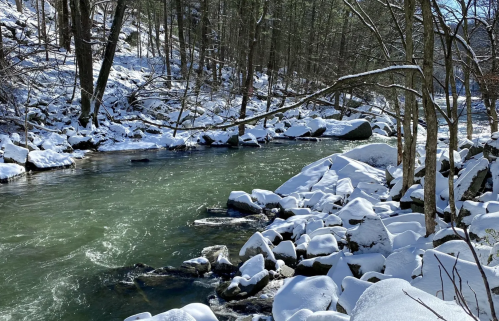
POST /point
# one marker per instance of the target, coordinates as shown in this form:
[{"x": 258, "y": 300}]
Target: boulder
[
  {"x": 317, "y": 126},
  {"x": 258, "y": 244},
  {"x": 9, "y": 172},
  {"x": 370, "y": 236},
  {"x": 82, "y": 142},
  {"x": 200, "y": 312},
  {"x": 352, "y": 290},
  {"x": 40, "y": 160},
  {"x": 242, "y": 201},
  {"x": 315, "y": 293},
  {"x": 322, "y": 245},
  {"x": 471, "y": 179},
  {"x": 286, "y": 251},
  {"x": 491, "y": 149},
  {"x": 15, "y": 154},
  {"x": 212, "y": 253},
  {"x": 357, "y": 129},
  {"x": 199, "y": 266},
  {"x": 319, "y": 265}
]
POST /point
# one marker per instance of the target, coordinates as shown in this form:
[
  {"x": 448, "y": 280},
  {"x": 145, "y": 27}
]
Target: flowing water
[{"x": 63, "y": 233}]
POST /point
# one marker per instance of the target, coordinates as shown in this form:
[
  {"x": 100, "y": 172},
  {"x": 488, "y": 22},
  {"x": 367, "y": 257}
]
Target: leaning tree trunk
[
  {"x": 80, "y": 12},
  {"x": 108, "y": 59},
  {"x": 248, "y": 83},
  {"x": 430, "y": 207}
]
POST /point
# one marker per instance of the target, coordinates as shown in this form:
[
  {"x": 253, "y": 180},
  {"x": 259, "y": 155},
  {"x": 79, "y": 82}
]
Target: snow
[
  {"x": 401, "y": 263},
  {"x": 198, "y": 260},
  {"x": 174, "y": 314},
  {"x": 344, "y": 187},
  {"x": 336, "y": 128},
  {"x": 10, "y": 171},
  {"x": 253, "y": 266},
  {"x": 356, "y": 210},
  {"x": 17, "y": 154},
  {"x": 285, "y": 248},
  {"x": 315, "y": 293},
  {"x": 139, "y": 316},
  {"x": 200, "y": 312},
  {"x": 127, "y": 145},
  {"x": 377, "y": 155},
  {"x": 328, "y": 316},
  {"x": 264, "y": 197},
  {"x": 485, "y": 226},
  {"x": 297, "y": 131},
  {"x": 257, "y": 242},
  {"x": 46, "y": 159},
  {"x": 386, "y": 301},
  {"x": 367, "y": 262},
  {"x": 304, "y": 181},
  {"x": 327, "y": 184},
  {"x": 322, "y": 245},
  {"x": 352, "y": 290},
  {"x": 465, "y": 179}
]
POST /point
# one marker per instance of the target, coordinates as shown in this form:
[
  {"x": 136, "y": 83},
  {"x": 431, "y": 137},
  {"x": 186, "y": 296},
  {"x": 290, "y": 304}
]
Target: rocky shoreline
[{"x": 338, "y": 242}]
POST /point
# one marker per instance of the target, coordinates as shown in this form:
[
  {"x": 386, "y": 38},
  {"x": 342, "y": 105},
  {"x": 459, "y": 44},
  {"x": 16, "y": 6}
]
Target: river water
[{"x": 63, "y": 232}]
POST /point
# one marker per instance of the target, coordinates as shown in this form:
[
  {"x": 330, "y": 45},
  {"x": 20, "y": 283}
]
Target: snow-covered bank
[{"x": 344, "y": 245}]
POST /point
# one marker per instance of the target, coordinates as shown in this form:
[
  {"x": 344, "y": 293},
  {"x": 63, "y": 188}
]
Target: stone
[
  {"x": 361, "y": 132},
  {"x": 199, "y": 266},
  {"x": 213, "y": 252},
  {"x": 370, "y": 236},
  {"x": 491, "y": 149},
  {"x": 15, "y": 154}
]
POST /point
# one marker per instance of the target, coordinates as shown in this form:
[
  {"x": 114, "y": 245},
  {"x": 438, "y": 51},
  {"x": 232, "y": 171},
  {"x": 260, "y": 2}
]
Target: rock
[
  {"x": 402, "y": 263},
  {"x": 315, "y": 293},
  {"x": 273, "y": 236},
  {"x": 9, "y": 172},
  {"x": 212, "y": 253},
  {"x": 352, "y": 290},
  {"x": 40, "y": 160},
  {"x": 354, "y": 212},
  {"x": 174, "y": 314},
  {"x": 242, "y": 201},
  {"x": 491, "y": 149},
  {"x": 319, "y": 265},
  {"x": 484, "y": 227},
  {"x": 376, "y": 155},
  {"x": 258, "y": 244},
  {"x": 468, "y": 211},
  {"x": 15, "y": 154},
  {"x": 304, "y": 181},
  {"x": 200, "y": 265},
  {"x": 361, "y": 264},
  {"x": 266, "y": 198},
  {"x": 357, "y": 129},
  {"x": 233, "y": 141},
  {"x": 140, "y": 160},
  {"x": 286, "y": 251},
  {"x": 317, "y": 126},
  {"x": 322, "y": 245},
  {"x": 249, "y": 139},
  {"x": 298, "y": 131},
  {"x": 200, "y": 312},
  {"x": 286, "y": 272},
  {"x": 447, "y": 234},
  {"x": 471, "y": 179},
  {"x": 224, "y": 268},
  {"x": 139, "y": 316},
  {"x": 82, "y": 142},
  {"x": 370, "y": 236},
  {"x": 256, "y": 220},
  {"x": 252, "y": 305}
]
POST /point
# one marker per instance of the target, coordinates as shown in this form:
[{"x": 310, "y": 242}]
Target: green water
[{"x": 63, "y": 232}]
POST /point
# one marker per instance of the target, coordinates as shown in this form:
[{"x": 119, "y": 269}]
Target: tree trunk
[
  {"x": 430, "y": 207},
  {"x": 167, "y": 47},
  {"x": 19, "y": 5},
  {"x": 254, "y": 34},
  {"x": 341, "y": 57},
  {"x": 80, "y": 12},
  {"x": 181, "y": 39},
  {"x": 108, "y": 58},
  {"x": 204, "y": 43}
]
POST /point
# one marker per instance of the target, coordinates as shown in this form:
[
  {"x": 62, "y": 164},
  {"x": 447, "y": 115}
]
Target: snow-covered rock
[
  {"x": 322, "y": 245},
  {"x": 471, "y": 179},
  {"x": 48, "y": 159},
  {"x": 354, "y": 212},
  {"x": 298, "y": 131},
  {"x": 376, "y": 155},
  {"x": 370, "y": 236},
  {"x": 10, "y": 172},
  {"x": 315, "y": 293},
  {"x": 317, "y": 127},
  {"x": 15, "y": 154},
  {"x": 265, "y": 198},
  {"x": 200, "y": 265},
  {"x": 349, "y": 129},
  {"x": 242, "y": 201},
  {"x": 304, "y": 181},
  {"x": 286, "y": 251},
  {"x": 386, "y": 301},
  {"x": 200, "y": 312},
  {"x": 352, "y": 290},
  {"x": 258, "y": 244}
]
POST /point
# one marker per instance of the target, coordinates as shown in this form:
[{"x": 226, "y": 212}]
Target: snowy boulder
[
  {"x": 352, "y": 290},
  {"x": 392, "y": 172},
  {"x": 249, "y": 140},
  {"x": 344, "y": 187},
  {"x": 9, "y": 172},
  {"x": 258, "y": 244},
  {"x": 318, "y": 265},
  {"x": 446, "y": 235},
  {"x": 139, "y": 316},
  {"x": 370, "y": 236},
  {"x": 266, "y": 198},
  {"x": 82, "y": 142},
  {"x": 376, "y": 155},
  {"x": 304, "y": 181},
  {"x": 242, "y": 201},
  {"x": 273, "y": 236},
  {"x": 198, "y": 266},
  {"x": 57, "y": 143},
  {"x": 357, "y": 129},
  {"x": 317, "y": 127},
  {"x": 471, "y": 179},
  {"x": 322, "y": 245},
  {"x": 328, "y": 182},
  {"x": 298, "y": 131},
  {"x": 485, "y": 227},
  {"x": 491, "y": 149},
  {"x": 301, "y": 315},
  {"x": 328, "y": 316},
  {"x": 254, "y": 277},
  {"x": 315, "y": 293},
  {"x": 174, "y": 314},
  {"x": 354, "y": 212},
  {"x": 361, "y": 264},
  {"x": 386, "y": 301},
  {"x": 213, "y": 252},
  {"x": 15, "y": 154},
  {"x": 48, "y": 159},
  {"x": 286, "y": 251},
  {"x": 474, "y": 290},
  {"x": 402, "y": 263},
  {"x": 200, "y": 312}
]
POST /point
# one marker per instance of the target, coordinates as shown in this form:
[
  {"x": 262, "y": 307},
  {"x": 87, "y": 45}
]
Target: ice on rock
[
  {"x": 474, "y": 290},
  {"x": 322, "y": 245},
  {"x": 200, "y": 312},
  {"x": 257, "y": 244},
  {"x": 354, "y": 212},
  {"x": 304, "y": 181},
  {"x": 377, "y": 155},
  {"x": 352, "y": 290},
  {"x": 15, "y": 154},
  {"x": 386, "y": 301},
  {"x": 315, "y": 293},
  {"x": 48, "y": 159}
]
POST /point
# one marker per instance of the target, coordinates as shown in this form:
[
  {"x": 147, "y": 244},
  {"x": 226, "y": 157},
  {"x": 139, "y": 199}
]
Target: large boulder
[
  {"x": 15, "y": 154},
  {"x": 491, "y": 149},
  {"x": 304, "y": 181},
  {"x": 317, "y": 126},
  {"x": 352, "y": 290},
  {"x": 376, "y": 155},
  {"x": 243, "y": 202},
  {"x": 48, "y": 159},
  {"x": 471, "y": 180},
  {"x": 357, "y": 129},
  {"x": 315, "y": 293},
  {"x": 258, "y": 244},
  {"x": 10, "y": 172},
  {"x": 319, "y": 265},
  {"x": 370, "y": 236},
  {"x": 322, "y": 245}
]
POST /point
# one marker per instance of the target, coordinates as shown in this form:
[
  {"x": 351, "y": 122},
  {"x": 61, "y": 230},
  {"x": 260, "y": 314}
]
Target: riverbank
[{"x": 350, "y": 247}]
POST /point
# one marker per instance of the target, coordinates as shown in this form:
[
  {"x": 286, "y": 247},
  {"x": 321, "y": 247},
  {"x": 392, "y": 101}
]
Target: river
[{"x": 63, "y": 232}]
